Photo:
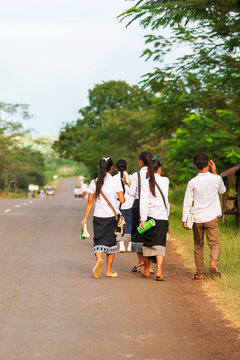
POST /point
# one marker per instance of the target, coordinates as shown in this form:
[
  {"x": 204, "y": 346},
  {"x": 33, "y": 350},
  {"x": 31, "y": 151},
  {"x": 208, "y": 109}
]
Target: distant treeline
[
  {"x": 189, "y": 105},
  {"x": 24, "y": 162}
]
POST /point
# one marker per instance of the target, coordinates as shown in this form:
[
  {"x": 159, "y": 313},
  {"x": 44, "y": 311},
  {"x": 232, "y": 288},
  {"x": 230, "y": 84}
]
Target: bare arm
[
  {"x": 88, "y": 208},
  {"x": 121, "y": 197},
  {"x": 213, "y": 166}
]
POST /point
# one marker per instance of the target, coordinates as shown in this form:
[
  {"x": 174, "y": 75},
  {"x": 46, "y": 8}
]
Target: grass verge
[{"x": 225, "y": 292}]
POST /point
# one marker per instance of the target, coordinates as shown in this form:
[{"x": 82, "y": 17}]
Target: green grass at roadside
[
  {"x": 11, "y": 195},
  {"x": 227, "y": 287}
]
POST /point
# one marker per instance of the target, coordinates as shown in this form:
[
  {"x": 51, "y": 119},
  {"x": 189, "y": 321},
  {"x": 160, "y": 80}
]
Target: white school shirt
[
  {"x": 110, "y": 188},
  {"x": 133, "y": 190},
  {"x": 151, "y": 206},
  {"x": 203, "y": 190},
  {"x": 129, "y": 198}
]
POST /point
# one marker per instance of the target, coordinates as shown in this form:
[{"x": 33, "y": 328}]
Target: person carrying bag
[{"x": 104, "y": 221}]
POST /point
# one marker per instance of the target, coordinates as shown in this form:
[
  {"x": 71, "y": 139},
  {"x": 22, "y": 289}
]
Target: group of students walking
[
  {"x": 139, "y": 198},
  {"x": 143, "y": 197}
]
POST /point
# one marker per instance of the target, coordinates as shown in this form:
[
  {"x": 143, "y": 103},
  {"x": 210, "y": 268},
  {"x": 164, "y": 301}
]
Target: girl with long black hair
[
  {"x": 138, "y": 178},
  {"x": 104, "y": 221},
  {"x": 126, "y": 208},
  {"x": 154, "y": 205}
]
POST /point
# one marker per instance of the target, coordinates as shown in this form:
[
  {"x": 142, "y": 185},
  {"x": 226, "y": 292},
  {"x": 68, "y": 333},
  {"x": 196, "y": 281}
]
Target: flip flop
[
  {"x": 145, "y": 276},
  {"x": 134, "y": 269},
  {"x": 139, "y": 268},
  {"x": 114, "y": 274},
  {"x": 97, "y": 270},
  {"x": 159, "y": 278}
]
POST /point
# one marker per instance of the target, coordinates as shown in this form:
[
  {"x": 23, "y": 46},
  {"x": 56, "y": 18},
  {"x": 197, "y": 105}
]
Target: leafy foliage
[
  {"x": 197, "y": 104},
  {"x": 114, "y": 124},
  {"x": 19, "y": 164}
]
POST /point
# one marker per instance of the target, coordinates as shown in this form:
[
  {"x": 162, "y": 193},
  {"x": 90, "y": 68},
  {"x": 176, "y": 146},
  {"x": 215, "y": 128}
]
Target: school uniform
[
  {"x": 136, "y": 238},
  {"x": 153, "y": 207},
  {"x": 104, "y": 221},
  {"x": 202, "y": 198},
  {"x": 126, "y": 207}
]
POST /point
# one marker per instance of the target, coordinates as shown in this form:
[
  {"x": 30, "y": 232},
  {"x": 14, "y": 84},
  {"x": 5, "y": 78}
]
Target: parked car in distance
[{"x": 50, "y": 190}]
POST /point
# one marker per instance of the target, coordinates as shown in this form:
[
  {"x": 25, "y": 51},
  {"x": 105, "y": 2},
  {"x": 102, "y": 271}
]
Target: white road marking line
[
  {"x": 17, "y": 205},
  {"x": 30, "y": 201},
  {"x": 25, "y": 204},
  {"x": 7, "y": 210}
]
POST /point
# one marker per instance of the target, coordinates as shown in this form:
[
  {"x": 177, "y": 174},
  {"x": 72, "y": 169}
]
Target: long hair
[
  {"x": 121, "y": 165},
  {"x": 105, "y": 165},
  {"x": 147, "y": 159}
]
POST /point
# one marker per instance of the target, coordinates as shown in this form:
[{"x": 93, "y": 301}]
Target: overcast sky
[{"x": 54, "y": 51}]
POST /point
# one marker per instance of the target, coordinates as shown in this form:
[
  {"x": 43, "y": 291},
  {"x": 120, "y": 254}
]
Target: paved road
[{"x": 52, "y": 308}]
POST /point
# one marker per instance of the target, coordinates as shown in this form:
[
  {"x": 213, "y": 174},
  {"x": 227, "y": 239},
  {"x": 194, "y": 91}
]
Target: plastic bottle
[{"x": 148, "y": 225}]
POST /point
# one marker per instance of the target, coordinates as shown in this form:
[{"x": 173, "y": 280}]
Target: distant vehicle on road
[{"x": 49, "y": 189}]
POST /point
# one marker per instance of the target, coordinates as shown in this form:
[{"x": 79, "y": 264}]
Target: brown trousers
[{"x": 212, "y": 233}]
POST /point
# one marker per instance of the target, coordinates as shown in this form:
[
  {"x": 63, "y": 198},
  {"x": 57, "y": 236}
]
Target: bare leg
[
  {"x": 140, "y": 259},
  {"x": 160, "y": 260},
  {"x": 98, "y": 266},
  {"x": 151, "y": 268},
  {"x": 147, "y": 263},
  {"x": 99, "y": 255},
  {"x": 110, "y": 258}
]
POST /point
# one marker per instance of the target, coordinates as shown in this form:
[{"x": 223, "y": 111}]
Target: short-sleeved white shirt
[
  {"x": 110, "y": 189},
  {"x": 129, "y": 198},
  {"x": 153, "y": 206},
  {"x": 134, "y": 181}
]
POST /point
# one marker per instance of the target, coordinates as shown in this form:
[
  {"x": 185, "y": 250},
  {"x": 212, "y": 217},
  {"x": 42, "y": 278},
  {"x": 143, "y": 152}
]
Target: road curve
[{"x": 52, "y": 308}]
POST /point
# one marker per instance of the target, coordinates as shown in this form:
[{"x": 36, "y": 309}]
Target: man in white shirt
[{"x": 202, "y": 200}]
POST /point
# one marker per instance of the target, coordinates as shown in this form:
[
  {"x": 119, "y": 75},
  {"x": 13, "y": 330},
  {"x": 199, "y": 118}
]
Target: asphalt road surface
[{"x": 52, "y": 308}]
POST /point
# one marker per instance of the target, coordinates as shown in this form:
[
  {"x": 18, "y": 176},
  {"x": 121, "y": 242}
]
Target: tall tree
[
  {"x": 204, "y": 81},
  {"x": 112, "y": 125}
]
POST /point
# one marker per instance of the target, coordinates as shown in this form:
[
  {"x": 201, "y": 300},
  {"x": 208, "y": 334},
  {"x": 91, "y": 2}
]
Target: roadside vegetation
[{"x": 27, "y": 159}]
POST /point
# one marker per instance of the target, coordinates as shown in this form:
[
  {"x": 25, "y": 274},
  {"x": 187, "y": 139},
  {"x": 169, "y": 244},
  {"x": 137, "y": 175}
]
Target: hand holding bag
[{"x": 190, "y": 220}]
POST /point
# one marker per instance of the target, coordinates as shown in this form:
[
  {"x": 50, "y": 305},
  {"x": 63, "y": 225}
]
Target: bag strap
[
  {"x": 108, "y": 202},
  {"x": 162, "y": 195},
  {"x": 139, "y": 185}
]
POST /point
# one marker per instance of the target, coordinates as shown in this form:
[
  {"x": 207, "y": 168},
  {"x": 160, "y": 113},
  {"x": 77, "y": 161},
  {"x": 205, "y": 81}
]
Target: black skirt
[
  {"x": 157, "y": 234},
  {"x": 135, "y": 236},
  {"x": 104, "y": 237}
]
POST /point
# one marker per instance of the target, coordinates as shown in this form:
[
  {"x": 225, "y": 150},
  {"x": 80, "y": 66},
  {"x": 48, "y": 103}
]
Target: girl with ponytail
[
  {"x": 126, "y": 208},
  {"x": 104, "y": 190},
  {"x": 138, "y": 178},
  {"x": 154, "y": 205}
]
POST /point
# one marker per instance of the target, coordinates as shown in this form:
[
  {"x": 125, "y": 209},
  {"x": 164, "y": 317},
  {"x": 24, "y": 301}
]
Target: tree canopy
[
  {"x": 19, "y": 164},
  {"x": 200, "y": 88},
  {"x": 113, "y": 124},
  {"x": 187, "y": 104}
]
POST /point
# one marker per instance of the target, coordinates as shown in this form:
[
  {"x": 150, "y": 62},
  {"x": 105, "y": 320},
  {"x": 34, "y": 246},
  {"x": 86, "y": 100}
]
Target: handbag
[
  {"x": 190, "y": 220},
  {"x": 121, "y": 224}
]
